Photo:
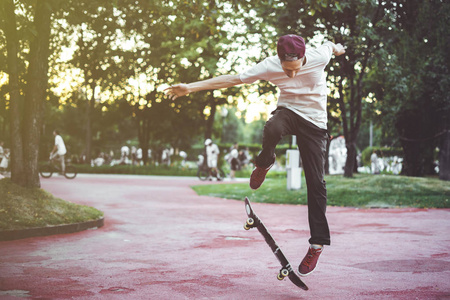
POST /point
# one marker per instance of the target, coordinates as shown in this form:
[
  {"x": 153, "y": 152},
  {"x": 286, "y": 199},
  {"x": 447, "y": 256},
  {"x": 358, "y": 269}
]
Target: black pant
[{"x": 312, "y": 142}]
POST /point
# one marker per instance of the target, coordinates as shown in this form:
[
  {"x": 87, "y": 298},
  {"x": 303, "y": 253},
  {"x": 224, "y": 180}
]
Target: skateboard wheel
[
  {"x": 249, "y": 224},
  {"x": 283, "y": 273}
]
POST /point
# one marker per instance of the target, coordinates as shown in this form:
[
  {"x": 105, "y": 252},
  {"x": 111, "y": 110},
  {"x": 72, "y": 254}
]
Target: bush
[{"x": 381, "y": 152}]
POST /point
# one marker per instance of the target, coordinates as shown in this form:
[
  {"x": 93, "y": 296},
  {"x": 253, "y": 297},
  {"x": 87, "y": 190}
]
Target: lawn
[
  {"x": 22, "y": 208},
  {"x": 360, "y": 191}
]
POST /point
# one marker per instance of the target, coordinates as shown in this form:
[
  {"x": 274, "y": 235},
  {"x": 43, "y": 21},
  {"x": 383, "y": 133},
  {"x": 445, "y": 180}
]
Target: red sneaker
[
  {"x": 259, "y": 175},
  {"x": 309, "y": 263}
]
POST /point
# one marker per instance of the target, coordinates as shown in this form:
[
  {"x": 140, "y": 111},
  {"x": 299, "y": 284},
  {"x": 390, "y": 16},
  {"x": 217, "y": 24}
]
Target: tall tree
[
  {"x": 414, "y": 84},
  {"x": 170, "y": 49},
  {"x": 99, "y": 32},
  {"x": 26, "y": 120}
]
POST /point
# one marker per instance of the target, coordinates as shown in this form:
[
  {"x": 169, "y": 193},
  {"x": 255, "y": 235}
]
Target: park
[{"x": 114, "y": 115}]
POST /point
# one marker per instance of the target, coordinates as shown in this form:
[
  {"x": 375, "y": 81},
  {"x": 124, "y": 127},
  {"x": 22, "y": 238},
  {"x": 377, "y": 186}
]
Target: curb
[{"x": 10, "y": 235}]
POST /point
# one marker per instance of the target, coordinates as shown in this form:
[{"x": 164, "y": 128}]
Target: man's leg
[
  {"x": 279, "y": 125},
  {"x": 63, "y": 164},
  {"x": 312, "y": 147},
  {"x": 312, "y": 143}
]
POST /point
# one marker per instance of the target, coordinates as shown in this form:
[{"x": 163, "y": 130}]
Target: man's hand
[
  {"x": 178, "y": 90},
  {"x": 338, "y": 49}
]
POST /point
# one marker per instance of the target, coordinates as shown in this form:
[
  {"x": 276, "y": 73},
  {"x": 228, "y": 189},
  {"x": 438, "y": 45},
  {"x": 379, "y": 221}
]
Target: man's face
[{"x": 291, "y": 68}]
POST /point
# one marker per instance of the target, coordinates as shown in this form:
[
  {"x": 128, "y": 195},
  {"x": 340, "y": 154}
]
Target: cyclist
[{"x": 59, "y": 150}]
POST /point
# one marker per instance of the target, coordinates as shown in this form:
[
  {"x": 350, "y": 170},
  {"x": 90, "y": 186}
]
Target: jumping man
[{"x": 299, "y": 73}]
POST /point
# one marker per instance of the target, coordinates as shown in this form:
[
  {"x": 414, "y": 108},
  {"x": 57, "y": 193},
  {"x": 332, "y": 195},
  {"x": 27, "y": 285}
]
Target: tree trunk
[
  {"x": 417, "y": 137},
  {"x": 12, "y": 46},
  {"x": 90, "y": 106},
  {"x": 352, "y": 123},
  {"x": 412, "y": 160},
  {"x": 327, "y": 154},
  {"x": 444, "y": 157},
  {"x": 351, "y": 159},
  {"x": 87, "y": 148},
  {"x": 210, "y": 121},
  {"x": 25, "y": 134},
  {"x": 35, "y": 92},
  {"x": 143, "y": 126}
]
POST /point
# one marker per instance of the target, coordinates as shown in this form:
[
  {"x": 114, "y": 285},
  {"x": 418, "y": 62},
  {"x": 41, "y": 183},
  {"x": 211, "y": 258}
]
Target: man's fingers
[
  {"x": 172, "y": 96},
  {"x": 170, "y": 93}
]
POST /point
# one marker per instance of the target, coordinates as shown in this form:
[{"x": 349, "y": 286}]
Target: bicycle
[
  {"x": 50, "y": 167},
  {"x": 204, "y": 173}
]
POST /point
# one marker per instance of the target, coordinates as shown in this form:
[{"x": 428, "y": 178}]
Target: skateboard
[{"x": 286, "y": 268}]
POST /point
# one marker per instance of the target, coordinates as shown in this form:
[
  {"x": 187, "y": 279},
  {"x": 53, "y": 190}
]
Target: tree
[
  {"x": 26, "y": 119},
  {"x": 414, "y": 84},
  {"x": 173, "y": 50},
  {"x": 151, "y": 58},
  {"x": 98, "y": 32}
]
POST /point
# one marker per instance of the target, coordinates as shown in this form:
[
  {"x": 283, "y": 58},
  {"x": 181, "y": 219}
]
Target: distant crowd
[{"x": 131, "y": 155}]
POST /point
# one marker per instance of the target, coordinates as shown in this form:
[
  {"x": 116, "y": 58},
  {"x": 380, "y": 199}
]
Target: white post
[{"x": 293, "y": 170}]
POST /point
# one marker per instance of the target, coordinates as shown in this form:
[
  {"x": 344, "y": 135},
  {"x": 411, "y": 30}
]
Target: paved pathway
[{"x": 162, "y": 241}]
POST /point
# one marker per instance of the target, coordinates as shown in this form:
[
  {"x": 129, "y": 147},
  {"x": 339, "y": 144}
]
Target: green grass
[
  {"x": 162, "y": 170},
  {"x": 22, "y": 208},
  {"x": 359, "y": 191}
]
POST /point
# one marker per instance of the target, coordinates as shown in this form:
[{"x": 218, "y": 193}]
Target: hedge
[{"x": 381, "y": 152}]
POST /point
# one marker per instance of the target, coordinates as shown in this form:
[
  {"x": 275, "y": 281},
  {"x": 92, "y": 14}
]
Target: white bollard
[{"x": 293, "y": 170}]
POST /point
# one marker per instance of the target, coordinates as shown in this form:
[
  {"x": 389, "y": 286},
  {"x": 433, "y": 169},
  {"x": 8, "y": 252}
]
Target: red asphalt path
[{"x": 162, "y": 241}]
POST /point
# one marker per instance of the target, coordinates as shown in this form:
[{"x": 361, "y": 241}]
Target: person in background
[
  {"x": 374, "y": 163},
  {"x": 3, "y": 158},
  {"x": 2, "y": 152},
  {"x": 234, "y": 163},
  {"x": 124, "y": 153},
  {"x": 212, "y": 157},
  {"x": 59, "y": 151}
]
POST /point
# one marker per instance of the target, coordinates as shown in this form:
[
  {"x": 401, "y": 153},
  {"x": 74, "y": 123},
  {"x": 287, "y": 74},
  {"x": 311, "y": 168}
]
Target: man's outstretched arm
[
  {"x": 220, "y": 82},
  {"x": 337, "y": 49}
]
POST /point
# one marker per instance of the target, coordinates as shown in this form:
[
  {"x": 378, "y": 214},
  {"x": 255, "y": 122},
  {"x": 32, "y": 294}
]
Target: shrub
[{"x": 381, "y": 152}]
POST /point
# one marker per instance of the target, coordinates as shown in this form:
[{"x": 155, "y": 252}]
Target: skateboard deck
[{"x": 286, "y": 268}]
